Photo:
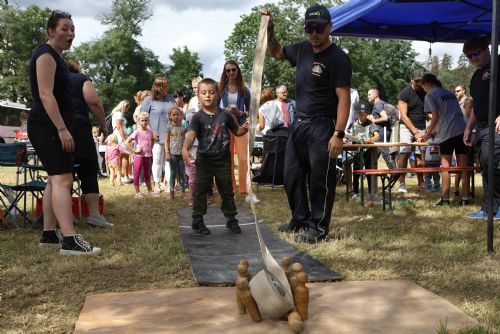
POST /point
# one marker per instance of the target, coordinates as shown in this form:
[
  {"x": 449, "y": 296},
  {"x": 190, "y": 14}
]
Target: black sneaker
[
  {"x": 51, "y": 238},
  {"x": 456, "y": 194},
  {"x": 292, "y": 226},
  {"x": 76, "y": 245},
  {"x": 442, "y": 202},
  {"x": 311, "y": 236},
  {"x": 463, "y": 202},
  {"x": 200, "y": 228},
  {"x": 233, "y": 225}
]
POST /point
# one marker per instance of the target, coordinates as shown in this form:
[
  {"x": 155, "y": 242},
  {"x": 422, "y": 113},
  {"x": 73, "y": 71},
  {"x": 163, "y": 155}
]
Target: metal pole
[{"x": 491, "y": 121}]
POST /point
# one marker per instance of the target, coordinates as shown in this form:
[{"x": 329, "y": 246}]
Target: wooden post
[
  {"x": 295, "y": 322},
  {"x": 243, "y": 270},
  {"x": 285, "y": 264},
  {"x": 247, "y": 299},
  {"x": 296, "y": 268},
  {"x": 302, "y": 295}
]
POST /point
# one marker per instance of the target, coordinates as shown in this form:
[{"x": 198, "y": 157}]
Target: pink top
[
  {"x": 113, "y": 154},
  {"x": 144, "y": 140}
]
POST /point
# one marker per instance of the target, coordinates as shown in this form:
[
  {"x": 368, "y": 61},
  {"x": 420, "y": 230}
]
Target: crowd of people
[{"x": 190, "y": 144}]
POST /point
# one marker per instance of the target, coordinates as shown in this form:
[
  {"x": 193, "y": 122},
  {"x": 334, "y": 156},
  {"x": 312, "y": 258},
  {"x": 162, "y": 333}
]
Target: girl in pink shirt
[
  {"x": 113, "y": 151},
  {"x": 144, "y": 139}
]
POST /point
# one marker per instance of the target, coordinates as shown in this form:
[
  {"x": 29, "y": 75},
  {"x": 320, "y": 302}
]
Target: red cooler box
[{"x": 74, "y": 206}]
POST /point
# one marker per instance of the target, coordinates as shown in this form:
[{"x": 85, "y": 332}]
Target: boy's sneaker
[
  {"x": 442, "y": 202},
  {"x": 456, "y": 194},
  {"x": 311, "y": 236},
  {"x": 402, "y": 188},
  {"x": 233, "y": 225},
  {"x": 51, "y": 238},
  {"x": 200, "y": 228},
  {"x": 76, "y": 245},
  {"x": 477, "y": 215}
]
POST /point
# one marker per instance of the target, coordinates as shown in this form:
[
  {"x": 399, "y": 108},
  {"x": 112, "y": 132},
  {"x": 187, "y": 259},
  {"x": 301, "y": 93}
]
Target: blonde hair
[
  {"x": 140, "y": 96},
  {"x": 143, "y": 114},
  {"x": 121, "y": 106},
  {"x": 112, "y": 139},
  {"x": 158, "y": 85}
]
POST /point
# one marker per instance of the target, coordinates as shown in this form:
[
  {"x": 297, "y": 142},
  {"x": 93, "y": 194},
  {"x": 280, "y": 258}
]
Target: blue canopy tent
[{"x": 431, "y": 21}]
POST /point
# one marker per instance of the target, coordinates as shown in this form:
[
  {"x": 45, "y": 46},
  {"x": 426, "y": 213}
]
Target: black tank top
[
  {"x": 62, "y": 92},
  {"x": 77, "y": 81}
]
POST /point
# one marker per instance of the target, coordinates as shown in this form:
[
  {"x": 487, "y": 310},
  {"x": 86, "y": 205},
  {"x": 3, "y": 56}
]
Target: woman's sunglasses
[
  {"x": 474, "y": 54},
  {"x": 229, "y": 70}
]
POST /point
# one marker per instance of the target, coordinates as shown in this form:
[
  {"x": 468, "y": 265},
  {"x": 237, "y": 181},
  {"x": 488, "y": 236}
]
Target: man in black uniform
[
  {"x": 476, "y": 49},
  {"x": 323, "y": 80}
]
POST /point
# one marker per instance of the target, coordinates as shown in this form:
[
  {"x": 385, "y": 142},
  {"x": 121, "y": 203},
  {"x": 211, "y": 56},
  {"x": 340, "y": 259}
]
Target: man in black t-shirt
[
  {"x": 411, "y": 108},
  {"x": 476, "y": 49},
  {"x": 323, "y": 80}
]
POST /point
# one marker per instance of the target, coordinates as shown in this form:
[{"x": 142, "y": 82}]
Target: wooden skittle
[{"x": 302, "y": 295}]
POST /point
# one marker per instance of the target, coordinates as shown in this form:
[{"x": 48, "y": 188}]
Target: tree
[
  {"x": 21, "y": 31},
  {"x": 240, "y": 45},
  {"x": 127, "y": 16},
  {"x": 186, "y": 66},
  {"x": 117, "y": 63},
  {"x": 376, "y": 63}
]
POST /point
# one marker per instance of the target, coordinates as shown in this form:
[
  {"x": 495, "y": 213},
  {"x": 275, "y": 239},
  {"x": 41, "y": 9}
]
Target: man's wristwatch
[{"x": 339, "y": 134}]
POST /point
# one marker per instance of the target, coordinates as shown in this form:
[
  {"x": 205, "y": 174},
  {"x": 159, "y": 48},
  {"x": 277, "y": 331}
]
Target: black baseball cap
[
  {"x": 364, "y": 106},
  {"x": 317, "y": 14}
]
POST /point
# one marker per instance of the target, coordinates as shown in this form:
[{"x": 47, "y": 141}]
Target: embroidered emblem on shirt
[
  {"x": 486, "y": 75},
  {"x": 317, "y": 69}
]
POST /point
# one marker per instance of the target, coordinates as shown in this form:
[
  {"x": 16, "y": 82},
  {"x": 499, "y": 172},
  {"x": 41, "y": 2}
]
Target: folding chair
[{"x": 15, "y": 155}]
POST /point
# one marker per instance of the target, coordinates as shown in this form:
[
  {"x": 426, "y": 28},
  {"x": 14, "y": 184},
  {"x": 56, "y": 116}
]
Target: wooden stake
[
  {"x": 295, "y": 322},
  {"x": 296, "y": 268},
  {"x": 247, "y": 300},
  {"x": 302, "y": 295},
  {"x": 285, "y": 264}
]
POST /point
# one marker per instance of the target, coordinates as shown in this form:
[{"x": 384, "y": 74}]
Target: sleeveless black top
[
  {"x": 38, "y": 115},
  {"x": 81, "y": 129}
]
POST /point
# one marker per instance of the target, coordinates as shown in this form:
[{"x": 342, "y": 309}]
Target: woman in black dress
[
  {"x": 85, "y": 100},
  {"x": 49, "y": 119}
]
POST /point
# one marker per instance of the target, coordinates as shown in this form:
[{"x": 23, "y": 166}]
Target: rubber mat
[{"x": 215, "y": 257}]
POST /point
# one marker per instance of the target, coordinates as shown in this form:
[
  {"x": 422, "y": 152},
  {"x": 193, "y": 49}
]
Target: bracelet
[{"x": 61, "y": 130}]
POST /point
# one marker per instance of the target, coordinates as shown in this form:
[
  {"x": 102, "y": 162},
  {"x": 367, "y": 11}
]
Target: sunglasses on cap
[
  {"x": 474, "y": 54},
  {"x": 319, "y": 28},
  {"x": 60, "y": 14}
]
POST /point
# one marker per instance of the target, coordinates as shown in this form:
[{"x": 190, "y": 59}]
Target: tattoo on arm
[{"x": 274, "y": 46}]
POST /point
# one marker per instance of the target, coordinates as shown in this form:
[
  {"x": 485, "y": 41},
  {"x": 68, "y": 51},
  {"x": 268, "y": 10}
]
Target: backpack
[
  {"x": 109, "y": 123},
  {"x": 392, "y": 113}
]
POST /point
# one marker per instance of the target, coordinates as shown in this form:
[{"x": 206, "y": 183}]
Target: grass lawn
[{"x": 438, "y": 249}]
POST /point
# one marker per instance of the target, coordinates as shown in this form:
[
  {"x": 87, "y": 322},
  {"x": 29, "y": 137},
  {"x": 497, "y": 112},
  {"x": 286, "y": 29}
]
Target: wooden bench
[{"x": 391, "y": 176}]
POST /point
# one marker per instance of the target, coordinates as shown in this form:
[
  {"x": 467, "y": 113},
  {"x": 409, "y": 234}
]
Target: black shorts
[
  {"x": 48, "y": 148},
  {"x": 453, "y": 144}
]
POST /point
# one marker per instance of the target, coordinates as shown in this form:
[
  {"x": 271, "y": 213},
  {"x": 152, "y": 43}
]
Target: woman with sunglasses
[
  {"x": 50, "y": 117},
  {"x": 235, "y": 98}
]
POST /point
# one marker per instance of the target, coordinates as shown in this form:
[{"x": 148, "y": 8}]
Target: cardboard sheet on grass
[
  {"x": 214, "y": 258},
  {"x": 383, "y": 307}
]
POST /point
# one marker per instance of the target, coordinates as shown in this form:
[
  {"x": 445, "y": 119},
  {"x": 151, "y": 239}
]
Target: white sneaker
[
  {"x": 126, "y": 180},
  {"x": 252, "y": 198},
  {"x": 356, "y": 197},
  {"x": 402, "y": 188}
]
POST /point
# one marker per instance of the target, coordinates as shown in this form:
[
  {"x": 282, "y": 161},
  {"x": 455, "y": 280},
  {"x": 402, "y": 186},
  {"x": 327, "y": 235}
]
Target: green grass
[{"x": 42, "y": 292}]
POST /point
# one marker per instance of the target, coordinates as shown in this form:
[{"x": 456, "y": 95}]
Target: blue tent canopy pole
[{"x": 491, "y": 122}]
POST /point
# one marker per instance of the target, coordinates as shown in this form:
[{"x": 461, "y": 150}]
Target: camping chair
[{"x": 12, "y": 195}]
